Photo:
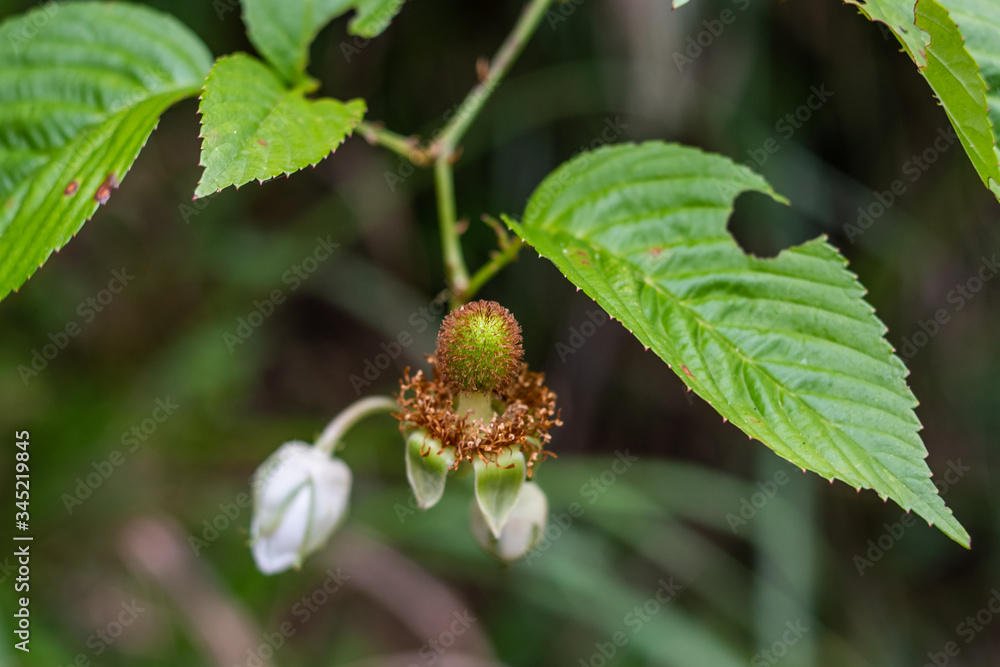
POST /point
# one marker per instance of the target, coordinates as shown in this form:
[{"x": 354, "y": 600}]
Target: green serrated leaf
[
  {"x": 978, "y": 22},
  {"x": 784, "y": 348},
  {"x": 254, "y": 128},
  {"x": 497, "y": 487},
  {"x": 282, "y": 30},
  {"x": 960, "y": 62},
  {"x": 83, "y": 85},
  {"x": 898, "y": 15}
]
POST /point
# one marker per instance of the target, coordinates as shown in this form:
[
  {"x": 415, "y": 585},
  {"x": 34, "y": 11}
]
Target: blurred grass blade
[
  {"x": 590, "y": 589},
  {"x": 785, "y": 348},
  {"x": 83, "y": 85},
  {"x": 282, "y": 30},
  {"x": 254, "y": 128}
]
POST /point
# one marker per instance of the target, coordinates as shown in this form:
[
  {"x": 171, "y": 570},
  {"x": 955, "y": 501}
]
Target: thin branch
[
  {"x": 408, "y": 147},
  {"x": 447, "y": 140},
  {"x": 491, "y": 268},
  {"x": 445, "y": 147}
]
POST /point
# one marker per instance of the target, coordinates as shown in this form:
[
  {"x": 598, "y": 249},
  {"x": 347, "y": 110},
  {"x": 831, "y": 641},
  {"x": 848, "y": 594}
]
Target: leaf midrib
[{"x": 704, "y": 326}]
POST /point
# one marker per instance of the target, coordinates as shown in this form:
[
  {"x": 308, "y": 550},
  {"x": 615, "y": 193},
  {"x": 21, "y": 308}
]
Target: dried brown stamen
[{"x": 528, "y": 412}]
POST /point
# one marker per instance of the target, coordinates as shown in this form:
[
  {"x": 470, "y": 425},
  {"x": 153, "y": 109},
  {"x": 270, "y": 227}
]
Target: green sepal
[
  {"x": 497, "y": 487},
  {"x": 427, "y": 465}
]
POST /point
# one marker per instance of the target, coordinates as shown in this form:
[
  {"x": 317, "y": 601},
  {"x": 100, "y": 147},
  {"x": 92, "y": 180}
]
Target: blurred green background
[{"x": 811, "y": 574}]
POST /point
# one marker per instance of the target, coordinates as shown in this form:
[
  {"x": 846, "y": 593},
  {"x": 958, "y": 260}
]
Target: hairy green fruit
[{"x": 479, "y": 348}]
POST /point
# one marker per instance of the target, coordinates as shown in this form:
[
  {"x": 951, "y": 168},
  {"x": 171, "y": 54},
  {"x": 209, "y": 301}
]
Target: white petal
[
  {"x": 332, "y": 486},
  {"x": 280, "y": 550}
]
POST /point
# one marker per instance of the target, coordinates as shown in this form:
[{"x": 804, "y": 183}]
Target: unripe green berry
[{"x": 479, "y": 348}]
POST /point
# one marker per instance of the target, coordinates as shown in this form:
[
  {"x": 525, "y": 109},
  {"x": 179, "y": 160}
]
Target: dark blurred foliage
[{"x": 593, "y": 64}]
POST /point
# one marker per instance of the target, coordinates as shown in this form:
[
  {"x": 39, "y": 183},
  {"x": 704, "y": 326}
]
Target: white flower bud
[
  {"x": 300, "y": 495},
  {"x": 524, "y": 527}
]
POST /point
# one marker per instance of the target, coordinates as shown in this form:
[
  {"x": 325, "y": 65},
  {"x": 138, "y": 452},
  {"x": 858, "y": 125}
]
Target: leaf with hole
[{"x": 785, "y": 348}]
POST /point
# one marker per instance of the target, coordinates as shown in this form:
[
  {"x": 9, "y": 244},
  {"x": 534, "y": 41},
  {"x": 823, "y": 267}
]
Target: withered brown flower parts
[{"x": 523, "y": 421}]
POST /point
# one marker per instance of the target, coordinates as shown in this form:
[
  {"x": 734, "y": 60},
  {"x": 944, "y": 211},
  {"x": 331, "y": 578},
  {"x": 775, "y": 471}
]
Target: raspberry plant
[{"x": 784, "y": 348}]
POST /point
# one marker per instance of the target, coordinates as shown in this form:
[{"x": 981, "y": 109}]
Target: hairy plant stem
[
  {"x": 342, "y": 423},
  {"x": 455, "y": 272},
  {"x": 408, "y": 147},
  {"x": 447, "y": 140},
  {"x": 444, "y": 147},
  {"x": 443, "y": 150},
  {"x": 491, "y": 268}
]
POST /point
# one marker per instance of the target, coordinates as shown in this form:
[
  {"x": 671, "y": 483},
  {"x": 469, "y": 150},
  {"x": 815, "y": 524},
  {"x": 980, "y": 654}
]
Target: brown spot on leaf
[
  {"x": 71, "y": 188},
  {"x": 687, "y": 372},
  {"x": 104, "y": 190},
  {"x": 262, "y": 142}
]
